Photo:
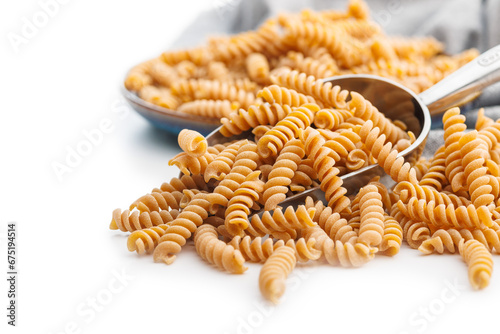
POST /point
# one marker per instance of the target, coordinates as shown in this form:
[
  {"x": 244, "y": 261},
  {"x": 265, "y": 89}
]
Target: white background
[{"x": 65, "y": 81}]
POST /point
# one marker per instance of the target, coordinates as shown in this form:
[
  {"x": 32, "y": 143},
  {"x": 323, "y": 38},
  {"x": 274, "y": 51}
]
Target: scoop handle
[{"x": 463, "y": 84}]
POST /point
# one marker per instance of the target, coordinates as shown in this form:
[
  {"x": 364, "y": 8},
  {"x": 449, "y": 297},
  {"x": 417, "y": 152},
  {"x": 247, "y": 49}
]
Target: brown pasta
[
  {"x": 275, "y": 271},
  {"x": 217, "y": 252}
]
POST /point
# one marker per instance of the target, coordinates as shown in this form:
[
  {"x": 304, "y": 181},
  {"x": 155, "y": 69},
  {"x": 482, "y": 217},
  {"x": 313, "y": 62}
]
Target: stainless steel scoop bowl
[{"x": 400, "y": 103}]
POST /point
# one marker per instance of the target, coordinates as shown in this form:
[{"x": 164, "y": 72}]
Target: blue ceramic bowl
[{"x": 169, "y": 120}]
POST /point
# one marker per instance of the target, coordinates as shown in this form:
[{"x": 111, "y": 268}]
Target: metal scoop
[{"x": 399, "y": 103}]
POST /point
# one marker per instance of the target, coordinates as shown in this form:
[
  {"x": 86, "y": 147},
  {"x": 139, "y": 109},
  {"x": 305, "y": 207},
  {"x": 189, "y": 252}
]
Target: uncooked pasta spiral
[
  {"x": 363, "y": 109},
  {"x": 331, "y": 118},
  {"x": 162, "y": 73},
  {"x": 209, "y": 108},
  {"x": 445, "y": 239},
  {"x": 282, "y": 95},
  {"x": 257, "y": 67},
  {"x": 243, "y": 120},
  {"x": 198, "y": 56},
  {"x": 436, "y": 174},
  {"x": 284, "y": 224},
  {"x": 255, "y": 250},
  {"x": 371, "y": 228},
  {"x": 212, "y": 90},
  {"x": 127, "y": 221},
  {"x": 335, "y": 252},
  {"x": 157, "y": 201},
  {"x": 332, "y": 38},
  {"x": 325, "y": 92},
  {"x": 160, "y": 96},
  {"x": 240, "y": 204},
  {"x": 247, "y": 160},
  {"x": 443, "y": 216},
  {"x": 138, "y": 77},
  {"x": 223, "y": 162},
  {"x": 407, "y": 190},
  {"x": 304, "y": 176},
  {"x": 192, "y": 142},
  {"x": 304, "y": 250},
  {"x": 356, "y": 159},
  {"x": 181, "y": 228},
  {"x": 191, "y": 165},
  {"x": 275, "y": 271},
  {"x": 282, "y": 173},
  {"x": 454, "y": 126},
  {"x": 287, "y": 129},
  {"x": 145, "y": 240},
  {"x": 217, "y": 252},
  {"x": 396, "y": 167},
  {"x": 335, "y": 227},
  {"x": 393, "y": 237},
  {"x": 169, "y": 194},
  {"x": 311, "y": 66},
  {"x": 331, "y": 184},
  {"x": 474, "y": 153},
  {"x": 479, "y": 261}
]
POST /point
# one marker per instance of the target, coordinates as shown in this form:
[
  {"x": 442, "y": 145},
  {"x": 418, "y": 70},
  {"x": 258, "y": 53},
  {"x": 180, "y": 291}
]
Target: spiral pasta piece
[
  {"x": 223, "y": 162},
  {"x": 284, "y": 224},
  {"x": 363, "y": 109},
  {"x": 169, "y": 194},
  {"x": 145, "y": 240},
  {"x": 349, "y": 254},
  {"x": 192, "y": 142},
  {"x": 191, "y": 165},
  {"x": 386, "y": 157},
  {"x": 319, "y": 68},
  {"x": 282, "y": 95},
  {"x": 247, "y": 160},
  {"x": 474, "y": 153},
  {"x": 393, "y": 237},
  {"x": 331, "y": 118},
  {"x": 217, "y": 252},
  {"x": 238, "y": 208},
  {"x": 324, "y": 163},
  {"x": 127, "y": 221},
  {"x": 325, "y": 92},
  {"x": 304, "y": 176},
  {"x": 479, "y": 262},
  {"x": 198, "y": 56},
  {"x": 257, "y": 67},
  {"x": 287, "y": 129},
  {"x": 436, "y": 174},
  {"x": 192, "y": 89},
  {"x": 304, "y": 249},
  {"x": 209, "y": 108},
  {"x": 407, "y": 190},
  {"x": 371, "y": 228},
  {"x": 282, "y": 173},
  {"x": 181, "y": 228},
  {"x": 454, "y": 125},
  {"x": 255, "y": 250},
  {"x": 160, "y": 96},
  {"x": 138, "y": 77},
  {"x": 243, "y": 120},
  {"x": 447, "y": 215},
  {"x": 274, "y": 272}
]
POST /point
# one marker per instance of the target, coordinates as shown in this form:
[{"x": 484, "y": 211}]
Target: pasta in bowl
[{"x": 198, "y": 86}]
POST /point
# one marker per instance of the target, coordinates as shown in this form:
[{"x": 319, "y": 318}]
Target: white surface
[{"x": 64, "y": 82}]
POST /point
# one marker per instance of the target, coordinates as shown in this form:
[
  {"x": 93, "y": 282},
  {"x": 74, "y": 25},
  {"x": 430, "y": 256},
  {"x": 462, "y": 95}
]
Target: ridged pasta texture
[
  {"x": 274, "y": 272},
  {"x": 217, "y": 252},
  {"x": 285, "y": 132}
]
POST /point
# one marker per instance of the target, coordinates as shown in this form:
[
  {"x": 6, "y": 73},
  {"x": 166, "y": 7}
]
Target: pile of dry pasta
[
  {"x": 225, "y": 74},
  {"x": 306, "y": 133}
]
